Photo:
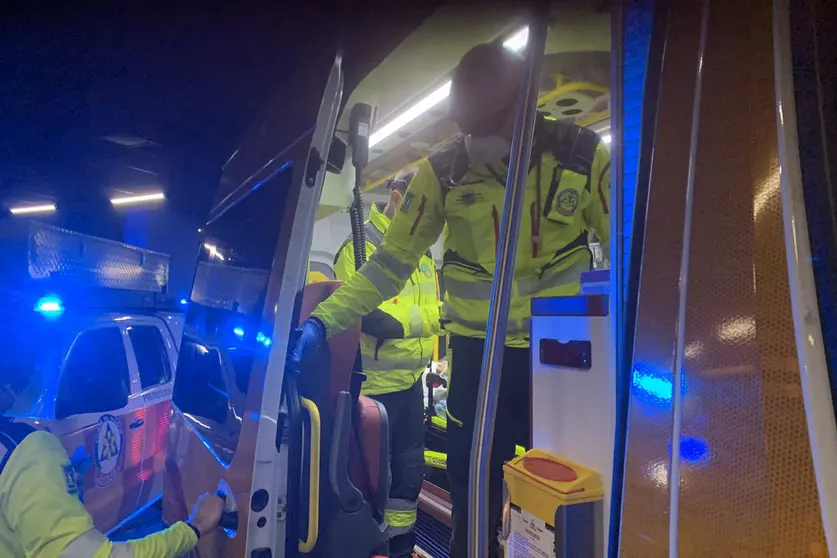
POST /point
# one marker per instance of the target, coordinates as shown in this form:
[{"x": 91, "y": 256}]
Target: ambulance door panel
[
  {"x": 93, "y": 405},
  {"x": 228, "y": 384},
  {"x": 134, "y": 426},
  {"x": 155, "y": 357}
]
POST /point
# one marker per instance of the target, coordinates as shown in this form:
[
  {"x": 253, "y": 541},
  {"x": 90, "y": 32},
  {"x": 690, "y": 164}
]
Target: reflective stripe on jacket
[
  {"x": 567, "y": 195},
  {"x": 41, "y": 514},
  {"x": 396, "y": 364}
]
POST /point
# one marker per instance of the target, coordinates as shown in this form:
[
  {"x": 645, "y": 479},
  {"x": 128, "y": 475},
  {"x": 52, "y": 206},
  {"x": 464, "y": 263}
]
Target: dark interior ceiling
[{"x": 173, "y": 86}]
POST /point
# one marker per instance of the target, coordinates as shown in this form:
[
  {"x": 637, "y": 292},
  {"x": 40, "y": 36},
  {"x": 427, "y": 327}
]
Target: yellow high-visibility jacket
[
  {"x": 398, "y": 339},
  {"x": 567, "y": 195},
  {"x": 41, "y": 515}
]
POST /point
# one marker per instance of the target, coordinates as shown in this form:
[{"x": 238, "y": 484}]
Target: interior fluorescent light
[
  {"x": 138, "y": 199},
  {"x": 518, "y": 41},
  {"x": 32, "y": 209},
  {"x": 515, "y": 43},
  {"x": 410, "y": 114}
]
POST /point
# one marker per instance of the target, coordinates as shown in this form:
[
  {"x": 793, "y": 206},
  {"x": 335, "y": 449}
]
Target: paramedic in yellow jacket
[
  {"x": 460, "y": 190},
  {"x": 396, "y": 346},
  {"x": 41, "y": 514}
]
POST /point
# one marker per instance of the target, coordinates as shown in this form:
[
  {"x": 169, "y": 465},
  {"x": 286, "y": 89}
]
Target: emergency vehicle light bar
[
  {"x": 31, "y": 251},
  {"x": 49, "y": 306}
]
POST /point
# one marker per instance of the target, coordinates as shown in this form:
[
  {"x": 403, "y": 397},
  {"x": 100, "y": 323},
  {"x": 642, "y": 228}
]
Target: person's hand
[
  {"x": 206, "y": 515},
  {"x": 441, "y": 367},
  {"x": 306, "y": 339}
]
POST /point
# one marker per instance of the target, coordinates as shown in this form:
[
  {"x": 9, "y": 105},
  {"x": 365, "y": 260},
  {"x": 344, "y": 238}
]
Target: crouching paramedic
[
  {"x": 396, "y": 346},
  {"x": 461, "y": 188},
  {"x": 41, "y": 513}
]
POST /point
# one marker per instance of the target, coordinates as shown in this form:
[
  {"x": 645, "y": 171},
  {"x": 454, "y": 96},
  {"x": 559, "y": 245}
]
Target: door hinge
[{"x": 315, "y": 163}]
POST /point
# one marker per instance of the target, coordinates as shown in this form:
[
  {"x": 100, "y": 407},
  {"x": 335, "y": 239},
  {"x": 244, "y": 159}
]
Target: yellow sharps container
[{"x": 552, "y": 508}]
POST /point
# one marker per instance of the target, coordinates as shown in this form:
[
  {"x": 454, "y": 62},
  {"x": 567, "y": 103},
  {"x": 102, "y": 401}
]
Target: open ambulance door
[{"x": 231, "y": 418}]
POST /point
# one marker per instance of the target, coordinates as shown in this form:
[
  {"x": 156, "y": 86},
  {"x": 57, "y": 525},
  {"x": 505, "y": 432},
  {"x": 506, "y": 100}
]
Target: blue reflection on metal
[
  {"x": 264, "y": 339},
  {"x": 239, "y": 332},
  {"x": 660, "y": 388},
  {"x": 694, "y": 451},
  {"x": 654, "y": 385},
  {"x": 49, "y": 307}
]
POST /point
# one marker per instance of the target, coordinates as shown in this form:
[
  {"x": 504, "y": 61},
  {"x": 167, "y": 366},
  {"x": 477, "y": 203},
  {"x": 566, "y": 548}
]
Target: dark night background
[
  {"x": 188, "y": 78},
  {"x": 103, "y": 99}
]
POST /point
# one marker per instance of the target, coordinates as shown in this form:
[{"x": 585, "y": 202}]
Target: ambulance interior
[
  {"x": 409, "y": 93},
  {"x": 314, "y": 481}
]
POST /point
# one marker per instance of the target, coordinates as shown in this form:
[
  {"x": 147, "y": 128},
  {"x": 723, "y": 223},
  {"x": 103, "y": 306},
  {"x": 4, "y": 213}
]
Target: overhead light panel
[
  {"x": 138, "y": 199},
  {"x": 515, "y": 43},
  {"x": 46, "y": 208},
  {"x": 410, "y": 114},
  {"x": 518, "y": 41}
]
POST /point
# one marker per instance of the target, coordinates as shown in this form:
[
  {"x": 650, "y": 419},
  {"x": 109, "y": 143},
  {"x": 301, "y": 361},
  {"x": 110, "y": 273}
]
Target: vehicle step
[{"x": 432, "y": 536}]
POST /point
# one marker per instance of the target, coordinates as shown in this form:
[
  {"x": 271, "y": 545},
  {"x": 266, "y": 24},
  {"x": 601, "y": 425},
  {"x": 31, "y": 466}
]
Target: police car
[{"x": 87, "y": 322}]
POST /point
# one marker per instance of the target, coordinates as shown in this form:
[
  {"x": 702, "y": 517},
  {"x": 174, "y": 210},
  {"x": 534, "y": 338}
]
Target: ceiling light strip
[
  {"x": 515, "y": 43},
  {"x": 32, "y": 209},
  {"x": 138, "y": 199}
]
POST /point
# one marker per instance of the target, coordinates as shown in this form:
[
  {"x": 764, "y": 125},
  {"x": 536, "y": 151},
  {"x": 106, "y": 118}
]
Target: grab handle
[
  {"x": 229, "y": 518},
  {"x": 310, "y": 541}
]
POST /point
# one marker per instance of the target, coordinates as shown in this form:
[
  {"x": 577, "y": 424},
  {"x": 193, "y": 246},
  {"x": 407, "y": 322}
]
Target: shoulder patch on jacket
[
  {"x": 407, "y": 201},
  {"x": 572, "y": 146},
  {"x": 70, "y": 479}
]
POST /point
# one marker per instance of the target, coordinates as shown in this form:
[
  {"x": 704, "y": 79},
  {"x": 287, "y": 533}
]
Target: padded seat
[
  {"x": 373, "y": 433},
  {"x": 355, "y": 441}
]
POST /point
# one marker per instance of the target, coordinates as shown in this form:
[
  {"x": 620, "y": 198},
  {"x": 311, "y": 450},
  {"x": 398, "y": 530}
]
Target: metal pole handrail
[
  {"x": 492, "y": 359},
  {"x": 683, "y": 296}
]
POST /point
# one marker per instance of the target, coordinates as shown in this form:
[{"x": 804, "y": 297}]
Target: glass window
[
  {"x": 200, "y": 389},
  {"x": 206, "y": 393},
  {"x": 242, "y": 361},
  {"x": 151, "y": 354},
  {"x": 97, "y": 365},
  {"x": 226, "y": 340}
]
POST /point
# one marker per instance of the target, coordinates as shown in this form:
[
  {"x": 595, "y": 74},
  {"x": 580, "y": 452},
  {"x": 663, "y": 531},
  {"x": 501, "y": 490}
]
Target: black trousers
[
  {"x": 512, "y": 427},
  {"x": 405, "y": 410}
]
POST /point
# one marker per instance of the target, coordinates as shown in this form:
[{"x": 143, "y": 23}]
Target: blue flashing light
[
  {"x": 264, "y": 339},
  {"x": 693, "y": 451},
  {"x": 239, "y": 332},
  {"x": 184, "y": 302},
  {"x": 49, "y": 307}
]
